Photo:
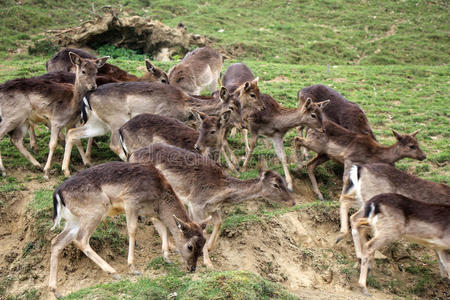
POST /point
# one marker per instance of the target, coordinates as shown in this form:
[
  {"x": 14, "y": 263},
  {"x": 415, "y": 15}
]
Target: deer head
[
  {"x": 274, "y": 188},
  {"x": 311, "y": 113},
  {"x": 86, "y": 70},
  {"x": 231, "y": 102},
  {"x": 155, "y": 73},
  {"x": 407, "y": 145},
  {"x": 211, "y": 130}
]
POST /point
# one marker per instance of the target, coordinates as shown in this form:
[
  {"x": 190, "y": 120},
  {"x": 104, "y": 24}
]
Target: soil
[{"x": 296, "y": 250}]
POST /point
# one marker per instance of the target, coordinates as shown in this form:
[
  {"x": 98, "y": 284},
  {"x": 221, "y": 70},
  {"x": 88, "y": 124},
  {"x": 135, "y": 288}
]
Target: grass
[{"x": 211, "y": 285}]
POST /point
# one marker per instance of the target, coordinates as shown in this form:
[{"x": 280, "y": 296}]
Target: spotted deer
[
  {"x": 368, "y": 180},
  {"x": 113, "y": 188},
  {"x": 198, "y": 71},
  {"x": 264, "y": 116},
  {"x": 23, "y": 101},
  {"x": 61, "y": 62},
  {"x": 347, "y": 147},
  {"x": 392, "y": 216},
  {"x": 201, "y": 184}
]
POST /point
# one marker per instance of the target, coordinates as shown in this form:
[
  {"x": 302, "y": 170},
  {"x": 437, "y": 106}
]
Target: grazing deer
[
  {"x": 113, "y": 188},
  {"x": 146, "y": 129},
  {"x": 199, "y": 70},
  {"x": 264, "y": 116},
  {"x": 201, "y": 184},
  {"x": 61, "y": 62},
  {"x": 368, "y": 180},
  {"x": 339, "y": 110},
  {"x": 347, "y": 147},
  {"x": 392, "y": 216},
  {"x": 24, "y": 101},
  {"x": 112, "y": 105}
]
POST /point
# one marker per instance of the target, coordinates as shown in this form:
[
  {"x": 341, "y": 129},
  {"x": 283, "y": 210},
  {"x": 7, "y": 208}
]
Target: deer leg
[
  {"x": 52, "y": 145},
  {"x": 346, "y": 200},
  {"x": 227, "y": 147},
  {"x": 247, "y": 145},
  {"x": 93, "y": 127},
  {"x": 217, "y": 220},
  {"x": 233, "y": 132},
  {"x": 115, "y": 145},
  {"x": 310, "y": 166},
  {"x": 132, "y": 218},
  {"x": 252, "y": 145},
  {"x": 444, "y": 263},
  {"x": 33, "y": 142},
  {"x": 227, "y": 160},
  {"x": 89, "y": 148},
  {"x": 358, "y": 234},
  {"x": 58, "y": 244},
  {"x": 17, "y": 136},
  {"x": 279, "y": 150},
  {"x": 162, "y": 231}
]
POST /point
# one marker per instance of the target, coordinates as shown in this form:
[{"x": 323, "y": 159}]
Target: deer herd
[{"x": 172, "y": 139}]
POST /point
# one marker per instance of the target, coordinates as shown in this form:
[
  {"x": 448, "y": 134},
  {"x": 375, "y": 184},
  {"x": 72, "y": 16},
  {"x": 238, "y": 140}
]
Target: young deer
[
  {"x": 115, "y": 188},
  {"x": 347, "y": 147},
  {"x": 23, "y": 101},
  {"x": 146, "y": 129},
  {"x": 61, "y": 62},
  {"x": 201, "y": 184},
  {"x": 264, "y": 116},
  {"x": 199, "y": 70},
  {"x": 392, "y": 216},
  {"x": 112, "y": 105},
  {"x": 369, "y": 180}
]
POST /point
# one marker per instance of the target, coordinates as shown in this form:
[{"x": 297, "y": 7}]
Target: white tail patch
[
  {"x": 124, "y": 147},
  {"x": 355, "y": 182},
  {"x": 86, "y": 102},
  {"x": 57, "y": 220}
]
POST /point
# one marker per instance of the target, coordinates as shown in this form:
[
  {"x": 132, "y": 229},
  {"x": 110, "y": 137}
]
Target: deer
[
  {"x": 368, "y": 180},
  {"x": 347, "y": 147},
  {"x": 199, "y": 70},
  {"x": 147, "y": 129},
  {"x": 114, "y": 188},
  {"x": 204, "y": 187},
  {"x": 25, "y": 101},
  {"x": 392, "y": 216},
  {"x": 339, "y": 110},
  {"x": 61, "y": 62},
  {"x": 264, "y": 116}
]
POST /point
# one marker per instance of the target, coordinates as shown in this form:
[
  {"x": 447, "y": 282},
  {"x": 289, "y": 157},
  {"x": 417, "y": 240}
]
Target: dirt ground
[{"x": 296, "y": 249}]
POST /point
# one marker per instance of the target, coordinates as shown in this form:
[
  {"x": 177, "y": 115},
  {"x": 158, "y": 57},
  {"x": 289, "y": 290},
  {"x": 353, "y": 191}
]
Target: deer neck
[
  {"x": 391, "y": 154},
  {"x": 289, "y": 118},
  {"x": 79, "y": 91},
  {"x": 169, "y": 207},
  {"x": 241, "y": 190}
]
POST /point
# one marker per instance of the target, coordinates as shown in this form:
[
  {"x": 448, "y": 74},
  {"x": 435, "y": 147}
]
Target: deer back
[{"x": 236, "y": 75}]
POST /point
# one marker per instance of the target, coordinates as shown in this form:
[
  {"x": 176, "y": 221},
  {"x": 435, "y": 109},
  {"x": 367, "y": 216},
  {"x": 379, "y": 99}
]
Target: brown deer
[
  {"x": 24, "y": 101},
  {"x": 392, "y": 216},
  {"x": 198, "y": 71},
  {"x": 61, "y": 62},
  {"x": 113, "y": 188},
  {"x": 236, "y": 75},
  {"x": 368, "y": 180},
  {"x": 264, "y": 116},
  {"x": 201, "y": 184},
  {"x": 339, "y": 110},
  {"x": 347, "y": 147}
]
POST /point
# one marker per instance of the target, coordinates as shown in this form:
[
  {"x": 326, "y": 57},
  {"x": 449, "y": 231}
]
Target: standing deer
[
  {"x": 347, "y": 147},
  {"x": 23, "y": 101},
  {"x": 392, "y": 216},
  {"x": 201, "y": 184},
  {"x": 264, "y": 116},
  {"x": 198, "y": 71},
  {"x": 368, "y": 180},
  {"x": 115, "y": 188},
  {"x": 61, "y": 62},
  {"x": 235, "y": 76}
]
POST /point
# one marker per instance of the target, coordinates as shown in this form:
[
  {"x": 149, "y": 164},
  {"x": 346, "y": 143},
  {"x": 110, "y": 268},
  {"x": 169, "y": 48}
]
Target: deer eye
[
  {"x": 163, "y": 81},
  {"x": 83, "y": 72},
  {"x": 189, "y": 247},
  {"x": 252, "y": 95},
  {"x": 276, "y": 186},
  {"x": 213, "y": 131},
  {"x": 313, "y": 116},
  {"x": 413, "y": 147}
]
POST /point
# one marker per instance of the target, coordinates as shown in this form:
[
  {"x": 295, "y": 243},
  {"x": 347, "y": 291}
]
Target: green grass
[{"x": 211, "y": 285}]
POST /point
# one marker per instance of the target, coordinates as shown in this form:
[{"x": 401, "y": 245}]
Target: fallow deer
[
  {"x": 347, "y": 147},
  {"x": 201, "y": 184},
  {"x": 198, "y": 71},
  {"x": 113, "y": 188},
  {"x": 235, "y": 76},
  {"x": 339, "y": 110},
  {"x": 369, "y": 180},
  {"x": 392, "y": 216},
  {"x": 61, "y": 62},
  {"x": 58, "y": 104},
  {"x": 264, "y": 116}
]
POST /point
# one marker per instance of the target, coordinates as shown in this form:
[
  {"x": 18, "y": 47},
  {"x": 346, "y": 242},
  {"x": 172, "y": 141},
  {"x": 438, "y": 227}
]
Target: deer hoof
[
  {"x": 3, "y": 174},
  {"x": 340, "y": 237},
  {"x": 365, "y": 291},
  {"x": 319, "y": 195},
  {"x": 167, "y": 260},
  {"x": 136, "y": 273},
  {"x": 66, "y": 173},
  {"x": 116, "y": 276}
]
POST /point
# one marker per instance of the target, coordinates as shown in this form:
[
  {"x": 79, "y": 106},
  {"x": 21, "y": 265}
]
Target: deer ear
[
  {"x": 322, "y": 104},
  {"x": 255, "y": 81},
  {"x": 415, "y": 132},
  {"x": 200, "y": 116},
  {"x": 205, "y": 222},
  {"x": 247, "y": 86},
  {"x": 182, "y": 226},
  {"x": 101, "y": 61},
  {"x": 224, "y": 117},
  {"x": 150, "y": 67},
  {"x": 397, "y": 135},
  {"x": 308, "y": 103},
  {"x": 75, "y": 58},
  {"x": 223, "y": 94}
]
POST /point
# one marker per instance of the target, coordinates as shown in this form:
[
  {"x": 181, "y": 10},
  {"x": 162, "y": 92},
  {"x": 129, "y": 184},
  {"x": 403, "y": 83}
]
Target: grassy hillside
[{"x": 390, "y": 57}]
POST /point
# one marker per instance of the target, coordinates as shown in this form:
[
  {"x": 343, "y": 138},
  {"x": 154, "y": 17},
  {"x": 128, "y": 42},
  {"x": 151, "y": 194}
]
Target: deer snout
[
  {"x": 92, "y": 86},
  {"x": 191, "y": 268},
  {"x": 197, "y": 148},
  {"x": 422, "y": 157}
]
